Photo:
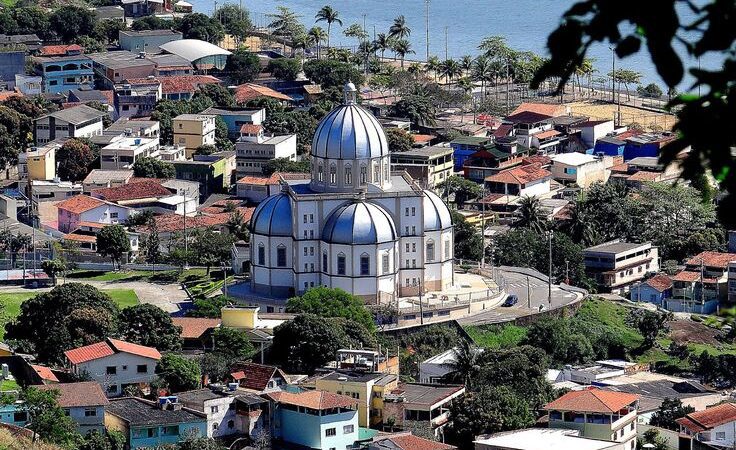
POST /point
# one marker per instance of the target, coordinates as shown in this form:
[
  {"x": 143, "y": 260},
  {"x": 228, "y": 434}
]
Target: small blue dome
[
  {"x": 359, "y": 223},
  {"x": 273, "y": 217},
  {"x": 349, "y": 132},
  {"x": 436, "y": 214}
]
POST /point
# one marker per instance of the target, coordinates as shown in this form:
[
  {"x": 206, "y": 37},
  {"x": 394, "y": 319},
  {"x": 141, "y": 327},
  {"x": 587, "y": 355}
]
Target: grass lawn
[
  {"x": 168, "y": 276},
  {"x": 11, "y": 303},
  {"x": 9, "y": 385},
  {"x": 496, "y": 337}
]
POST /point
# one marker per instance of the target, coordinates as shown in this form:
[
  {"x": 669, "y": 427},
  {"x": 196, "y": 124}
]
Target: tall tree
[
  {"x": 243, "y": 66},
  {"x": 465, "y": 364},
  {"x": 147, "y": 167},
  {"x": 468, "y": 240},
  {"x": 450, "y": 69},
  {"x": 530, "y": 214},
  {"x": 149, "y": 325},
  {"x": 482, "y": 71},
  {"x": 47, "y": 418},
  {"x": 235, "y": 20},
  {"x": 399, "y": 29},
  {"x": 402, "y": 47},
  {"x": 625, "y": 77},
  {"x": 74, "y": 160},
  {"x": 382, "y": 43},
  {"x": 200, "y": 26},
  {"x": 70, "y": 22},
  {"x": 329, "y": 15},
  {"x": 178, "y": 372},
  {"x": 69, "y": 316},
  {"x": 331, "y": 302},
  {"x": 113, "y": 241},
  {"x": 319, "y": 36}
]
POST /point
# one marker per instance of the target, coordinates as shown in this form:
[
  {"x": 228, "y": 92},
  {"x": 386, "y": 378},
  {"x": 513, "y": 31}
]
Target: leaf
[{"x": 629, "y": 46}]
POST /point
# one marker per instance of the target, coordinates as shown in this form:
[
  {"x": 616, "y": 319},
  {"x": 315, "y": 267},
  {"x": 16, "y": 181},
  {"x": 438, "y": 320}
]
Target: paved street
[{"x": 520, "y": 284}]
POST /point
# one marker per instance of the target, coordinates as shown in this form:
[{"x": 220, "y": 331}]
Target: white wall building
[
  {"x": 123, "y": 153},
  {"x": 79, "y": 121},
  {"x": 581, "y": 169},
  {"x": 356, "y": 225},
  {"x": 254, "y": 149},
  {"x": 115, "y": 364}
]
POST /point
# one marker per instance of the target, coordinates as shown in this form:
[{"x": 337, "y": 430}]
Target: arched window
[
  {"x": 386, "y": 267},
  {"x": 333, "y": 174},
  {"x": 281, "y": 256},
  {"x": 324, "y": 262},
  {"x": 261, "y": 254},
  {"x": 430, "y": 251},
  {"x": 363, "y": 174},
  {"x": 348, "y": 174},
  {"x": 70, "y": 67},
  {"x": 341, "y": 263},
  {"x": 365, "y": 264},
  {"x": 386, "y": 174},
  {"x": 320, "y": 175},
  {"x": 376, "y": 173}
]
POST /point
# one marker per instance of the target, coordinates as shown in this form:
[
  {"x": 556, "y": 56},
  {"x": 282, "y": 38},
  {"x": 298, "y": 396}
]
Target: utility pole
[
  {"x": 483, "y": 230},
  {"x": 426, "y": 17},
  {"x": 186, "y": 238},
  {"x": 567, "y": 271},
  {"x": 421, "y": 306},
  {"x": 447, "y": 51},
  {"x": 528, "y": 293},
  {"x": 549, "y": 273}
]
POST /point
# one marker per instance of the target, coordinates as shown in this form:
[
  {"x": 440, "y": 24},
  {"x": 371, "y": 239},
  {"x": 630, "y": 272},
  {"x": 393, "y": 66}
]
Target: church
[{"x": 355, "y": 225}]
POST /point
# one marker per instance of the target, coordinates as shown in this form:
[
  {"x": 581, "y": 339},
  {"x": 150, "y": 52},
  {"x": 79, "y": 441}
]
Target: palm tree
[
  {"x": 302, "y": 41},
  {"x": 450, "y": 69},
  {"x": 382, "y": 43},
  {"x": 318, "y": 36},
  {"x": 433, "y": 65},
  {"x": 399, "y": 29},
  {"x": 285, "y": 23},
  {"x": 329, "y": 15},
  {"x": 585, "y": 69},
  {"x": 401, "y": 48},
  {"x": 579, "y": 227},
  {"x": 467, "y": 362},
  {"x": 356, "y": 31},
  {"x": 483, "y": 72},
  {"x": 466, "y": 84},
  {"x": 530, "y": 214},
  {"x": 466, "y": 63}
]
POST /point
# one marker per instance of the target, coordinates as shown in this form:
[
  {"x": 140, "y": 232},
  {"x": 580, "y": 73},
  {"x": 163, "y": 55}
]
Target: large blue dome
[
  {"x": 358, "y": 224},
  {"x": 436, "y": 215},
  {"x": 273, "y": 217},
  {"x": 349, "y": 132}
]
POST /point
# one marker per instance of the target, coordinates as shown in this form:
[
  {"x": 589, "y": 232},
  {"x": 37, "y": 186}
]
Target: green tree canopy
[
  {"x": 286, "y": 69},
  {"x": 178, "y": 373},
  {"x": 242, "y": 66},
  {"x": 149, "y": 325},
  {"x": 669, "y": 411},
  {"x": 232, "y": 344},
  {"x": 330, "y": 73},
  {"x": 68, "y": 316},
  {"x": 468, "y": 240},
  {"x": 293, "y": 122},
  {"x": 331, "y": 302},
  {"x": 113, "y": 241},
  {"x": 235, "y": 20},
  {"x": 285, "y": 165},
  {"x": 47, "y": 418},
  {"x": 70, "y": 22},
  {"x": 147, "y": 167},
  {"x": 74, "y": 160},
  {"x": 200, "y": 26},
  {"x": 399, "y": 140}
]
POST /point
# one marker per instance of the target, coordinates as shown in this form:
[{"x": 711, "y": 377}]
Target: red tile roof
[
  {"x": 542, "y": 160},
  {"x": 109, "y": 348},
  {"x": 79, "y": 237},
  {"x": 256, "y": 376},
  {"x": 78, "y": 395},
  {"x": 548, "y": 109},
  {"x": 318, "y": 400},
  {"x": 8, "y": 94},
  {"x": 593, "y": 400},
  {"x": 712, "y": 259},
  {"x": 547, "y": 134},
  {"x": 59, "y": 50},
  {"x": 45, "y": 373},
  {"x": 411, "y": 442},
  {"x": 249, "y": 128},
  {"x": 687, "y": 276},
  {"x": 645, "y": 175},
  {"x": 79, "y": 204},
  {"x": 709, "y": 418},
  {"x": 422, "y": 138},
  {"x": 91, "y": 224},
  {"x": 195, "y": 327},
  {"x": 592, "y": 123},
  {"x": 527, "y": 117},
  {"x": 259, "y": 181},
  {"x": 133, "y": 191},
  {"x": 521, "y": 175},
  {"x": 503, "y": 131},
  {"x": 178, "y": 84},
  {"x": 623, "y": 168},
  {"x": 660, "y": 282},
  {"x": 174, "y": 222},
  {"x": 249, "y": 91}
]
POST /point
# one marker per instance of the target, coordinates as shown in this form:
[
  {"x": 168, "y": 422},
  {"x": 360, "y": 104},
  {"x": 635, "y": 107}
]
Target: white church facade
[{"x": 356, "y": 225}]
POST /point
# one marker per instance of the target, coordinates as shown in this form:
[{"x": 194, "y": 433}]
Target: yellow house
[
  {"x": 194, "y": 130},
  {"x": 41, "y": 162},
  {"x": 367, "y": 388}
]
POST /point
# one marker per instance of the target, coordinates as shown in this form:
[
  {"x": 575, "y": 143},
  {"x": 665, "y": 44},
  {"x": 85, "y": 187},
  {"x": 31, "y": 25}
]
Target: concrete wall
[{"x": 126, "y": 366}]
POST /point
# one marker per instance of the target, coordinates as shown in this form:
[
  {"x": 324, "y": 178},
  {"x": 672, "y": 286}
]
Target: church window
[
  {"x": 341, "y": 264},
  {"x": 320, "y": 175},
  {"x": 363, "y": 174},
  {"x": 385, "y": 172},
  {"x": 281, "y": 256},
  {"x": 430, "y": 251},
  {"x": 385, "y": 263},
  {"x": 376, "y": 173},
  {"x": 324, "y": 262},
  {"x": 261, "y": 255},
  {"x": 447, "y": 249},
  {"x": 348, "y": 174},
  {"x": 365, "y": 264},
  {"x": 333, "y": 174}
]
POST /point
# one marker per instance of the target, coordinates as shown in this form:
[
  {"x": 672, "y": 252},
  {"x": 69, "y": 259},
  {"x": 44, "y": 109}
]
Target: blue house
[
  {"x": 11, "y": 64},
  {"x": 14, "y": 414},
  {"x": 63, "y": 73},
  {"x": 609, "y": 146},
  {"x": 314, "y": 419},
  {"x": 150, "y": 424},
  {"x": 465, "y": 146},
  {"x": 655, "y": 290}
]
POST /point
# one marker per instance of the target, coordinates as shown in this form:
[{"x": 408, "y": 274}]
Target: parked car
[{"x": 511, "y": 300}]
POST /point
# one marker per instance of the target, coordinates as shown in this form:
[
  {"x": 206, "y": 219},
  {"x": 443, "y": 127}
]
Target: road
[{"x": 520, "y": 285}]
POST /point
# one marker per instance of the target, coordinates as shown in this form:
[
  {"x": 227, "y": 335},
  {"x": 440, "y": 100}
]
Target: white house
[
  {"x": 581, "y": 169},
  {"x": 123, "y": 153},
  {"x": 224, "y": 410},
  {"x": 437, "y": 367},
  {"x": 115, "y": 364},
  {"x": 593, "y": 130},
  {"x": 531, "y": 439},
  {"x": 84, "y": 402},
  {"x": 616, "y": 265},
  {"x": 79, "y": 121},
  {"x": 715, "y": 426},
  {"x": 527, "y": 180},
  {"x": 254, "y": 149},
  {"x": 83, "y": 208}
]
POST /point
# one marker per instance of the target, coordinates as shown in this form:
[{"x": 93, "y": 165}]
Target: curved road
[{"x": 520, "y": 285}]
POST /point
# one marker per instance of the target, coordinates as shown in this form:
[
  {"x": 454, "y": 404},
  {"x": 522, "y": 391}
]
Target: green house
[{"x": 214, "y": 172}]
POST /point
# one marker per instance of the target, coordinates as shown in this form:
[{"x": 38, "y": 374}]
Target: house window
[
  {"x": 111, "y": 370},
  {"x": 341, "y": 264},
  {"x": 385, "y": 263},
  {"x": 347, "y": 429},
  {"x": 330, "y": 432},
  {"x": 20, "y": 416},
  {"x": 430, "y": 251},
  {"x": 413, "y": 211},
  {"x": 281, "y": 256},
  {"x": 261, "y": 255},
  {"x": 305, "y": 218},
  {"x": 90, "y": 412},
  {"x": 365, "y": 264},
  {"x": 214, "y": 409},
  {"x": 172, "y": 430},
  {"x": 142, "y": 368},
  {"x": 112, "y": 389},
  {"x": 720, "y": 435}
]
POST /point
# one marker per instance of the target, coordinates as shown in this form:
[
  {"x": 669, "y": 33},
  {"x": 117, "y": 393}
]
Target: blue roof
[
  {"x": 273, "y": 217},
  {"x": 359, "y": 223}
]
